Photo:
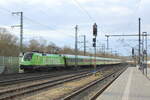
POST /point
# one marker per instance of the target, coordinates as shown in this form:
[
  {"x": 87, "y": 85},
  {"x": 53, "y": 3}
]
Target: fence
[{"x": 9, "y": 65}]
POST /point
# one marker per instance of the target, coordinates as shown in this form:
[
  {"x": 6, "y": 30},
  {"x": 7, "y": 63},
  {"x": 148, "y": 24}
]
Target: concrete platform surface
[{"x": 130, "y": 85}]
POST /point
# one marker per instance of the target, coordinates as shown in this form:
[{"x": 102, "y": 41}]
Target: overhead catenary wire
[
  {"x": 84, "y": 10},
  {"x": 6, "y": 10},
  {"x": 46, "y": 26},
  {"x": 36, "y": 22},
  {"x": 27, "y": 18}
]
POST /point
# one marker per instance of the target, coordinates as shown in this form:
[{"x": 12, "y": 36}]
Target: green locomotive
[{"x": 35, "y": 60}]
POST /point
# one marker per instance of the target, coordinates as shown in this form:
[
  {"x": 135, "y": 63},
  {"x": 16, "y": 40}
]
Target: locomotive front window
[{"x": 28, "y": 56}]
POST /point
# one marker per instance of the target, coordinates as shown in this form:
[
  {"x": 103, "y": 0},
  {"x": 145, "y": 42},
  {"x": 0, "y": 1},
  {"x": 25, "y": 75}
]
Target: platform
[{"x": 130, "y": 85}]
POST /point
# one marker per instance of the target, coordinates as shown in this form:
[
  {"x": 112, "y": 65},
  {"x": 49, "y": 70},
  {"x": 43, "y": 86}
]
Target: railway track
[
  {"x": 30, "y": 88},
  {"x": 12, "y": 93},
  {"x": 77, "y": 95},
  {"x": 30, "y": 77},
  {"x": 108, "y": 84}
]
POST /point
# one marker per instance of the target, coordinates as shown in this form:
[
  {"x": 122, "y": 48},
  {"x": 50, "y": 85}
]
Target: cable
[
  {"x": 4, "y": 9},
  {"x": 84, "y": 10},
  {"x": 35, "y": 22}
]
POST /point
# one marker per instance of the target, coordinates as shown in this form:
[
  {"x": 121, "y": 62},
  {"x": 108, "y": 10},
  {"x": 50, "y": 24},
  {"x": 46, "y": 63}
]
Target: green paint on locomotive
[{"x": 39, "y": 59}]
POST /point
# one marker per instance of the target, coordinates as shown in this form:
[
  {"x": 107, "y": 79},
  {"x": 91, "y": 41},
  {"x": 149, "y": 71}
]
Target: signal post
[{"x": 94, "y": 44}]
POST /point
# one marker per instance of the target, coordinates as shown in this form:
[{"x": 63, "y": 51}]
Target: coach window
[{"x": 28, "y": 56}]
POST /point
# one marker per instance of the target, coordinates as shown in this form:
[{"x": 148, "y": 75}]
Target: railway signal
[
  {"x": 132, "y": 52},
  {"x": 94, "y": 34},
  {"x": 95, "y": 29},
  {"x": 94, "y": 39},
  {"x": 76, "y": 46},
  {"x": 94, "y": 43}
]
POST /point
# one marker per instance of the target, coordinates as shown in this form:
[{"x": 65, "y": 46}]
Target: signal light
[
  {"x": 94, "y": 39},
  {"x": 94, "y": 44},
  {"x": 132, "y": 51},
  {"x": 95, "y": 29}
]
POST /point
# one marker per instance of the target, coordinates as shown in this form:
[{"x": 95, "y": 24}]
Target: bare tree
[
  {"x": 8, "y": 43},
  {"x": 67, "y": 50},
  {"x": 33, "y": 45},
  {"x": 52, "y": 48}
]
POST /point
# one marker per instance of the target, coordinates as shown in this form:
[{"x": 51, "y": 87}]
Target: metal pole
[
  {"x": 107, "y": 42},
  {"x": 139, "y": 62},
  {"x": 146, "y": 53},
  {"x": 21, "y": 32},
  {"x": 95, "y": 58},
  {"x": 142, "y": 44},
  {"x": 84, "y": 45},
  {"x": 76, "y": 46},
  {"x": 143, "y": 52},
  {"x": 104, "y": 49}
]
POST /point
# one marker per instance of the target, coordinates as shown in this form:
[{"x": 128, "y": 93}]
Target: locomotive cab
[
  {"x": 28, "y": 56},
  {"x": 26, "y": 61}
]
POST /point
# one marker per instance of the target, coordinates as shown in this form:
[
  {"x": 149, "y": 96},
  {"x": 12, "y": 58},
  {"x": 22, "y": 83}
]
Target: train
[{"x": 36, "y": 60}]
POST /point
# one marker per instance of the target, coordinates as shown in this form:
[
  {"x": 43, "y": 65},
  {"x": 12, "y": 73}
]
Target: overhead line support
[{"x": 21, "y": 29}]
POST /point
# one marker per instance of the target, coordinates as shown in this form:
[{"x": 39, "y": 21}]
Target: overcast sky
[{"x": 54, "y": 20}]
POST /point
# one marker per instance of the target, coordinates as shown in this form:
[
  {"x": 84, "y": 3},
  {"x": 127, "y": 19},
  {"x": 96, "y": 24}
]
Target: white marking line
[{"x": 127, "y": 88}]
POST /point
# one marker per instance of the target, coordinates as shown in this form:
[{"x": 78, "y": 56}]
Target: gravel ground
[
  {"x": 57, "y": 74},
  {"x": 63, "y": 89},
  {"x": 66, "y": 88},
  {"x": 29, "y": 83}
]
